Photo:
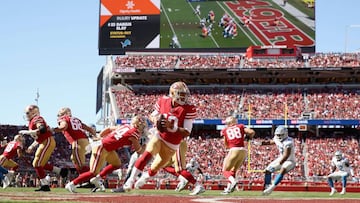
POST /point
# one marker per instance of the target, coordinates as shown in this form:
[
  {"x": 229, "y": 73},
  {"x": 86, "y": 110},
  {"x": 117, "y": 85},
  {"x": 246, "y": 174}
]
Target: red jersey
[
  {"x": 32, "y": 126},
  {"x": 74, "y": 130},
  {"x": 175, "y": 114},
  {"x": 234, "y": 135},
  {"x": 11, "y": 148},
  {"x": 120, "y": 137}
]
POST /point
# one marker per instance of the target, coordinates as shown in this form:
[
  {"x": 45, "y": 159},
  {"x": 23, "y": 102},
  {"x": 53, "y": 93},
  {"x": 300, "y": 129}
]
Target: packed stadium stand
[{"x": 319, "y": 87}]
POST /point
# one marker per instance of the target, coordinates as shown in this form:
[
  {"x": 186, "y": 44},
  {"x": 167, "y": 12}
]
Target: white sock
[
  {"x": 134, "y": 173},
  {"x": 231, "y": 179},
  {"x": 43, "y": 181}
]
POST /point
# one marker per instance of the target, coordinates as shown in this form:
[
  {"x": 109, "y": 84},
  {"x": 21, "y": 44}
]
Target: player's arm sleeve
[{"x": 186, "y": 130}]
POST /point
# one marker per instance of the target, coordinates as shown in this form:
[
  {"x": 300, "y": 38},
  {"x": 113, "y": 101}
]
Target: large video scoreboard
[
  {"x": 198, "y": 25},
  {"x": 123, "y": 25}
]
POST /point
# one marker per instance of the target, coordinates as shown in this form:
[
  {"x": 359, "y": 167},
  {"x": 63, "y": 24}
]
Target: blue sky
[{"x": 51, "y": 46}]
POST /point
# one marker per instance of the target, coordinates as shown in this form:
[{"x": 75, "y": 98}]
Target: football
[{"x": 160, "y": 123}]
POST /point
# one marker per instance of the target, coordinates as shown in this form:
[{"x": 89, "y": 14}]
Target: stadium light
[{"x": 346, "y": 34}]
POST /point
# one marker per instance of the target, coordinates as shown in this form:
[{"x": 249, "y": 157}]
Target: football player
[
  {"x": 197, "y": 10},
  {"x": 134, "y": 156},
  {"x": 177, "y": 167},
  {"x": 174, "y": 117},
  {"x": 75, "y": 133},
  {"x": 45, "y": 143},
  {"x": 12, "y": 149},
  {"x": 211, "y": 17},
  {"x": 234, "y": 135},
  {"x": 104, "y": 151},
  {"x": 284, "y": 163},
  {"x": 340, "y": 170}
]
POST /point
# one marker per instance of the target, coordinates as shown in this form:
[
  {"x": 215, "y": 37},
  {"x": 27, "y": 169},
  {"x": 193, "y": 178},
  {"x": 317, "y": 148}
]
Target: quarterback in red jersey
[
  {"x": 104, "y": 150},
  {"x": 234, "y": 135},
  {"x": 74, "y": 132},
  {"x": 174, "y": 117},
  {"x": 42, "y": 135}
]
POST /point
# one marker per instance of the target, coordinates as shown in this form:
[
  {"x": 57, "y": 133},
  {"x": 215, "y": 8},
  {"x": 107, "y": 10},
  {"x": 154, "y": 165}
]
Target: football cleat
[
  {"x": 5, "y": 182},
  {"x": 98, "y": 183},
  {"x": 198, "y": 190},
  {"x": 180, "y": 186},
  {"x": 333, "y": 191},
  {"x": 140, "y": 182},
  {"x": 43, "y": 188},
  {"x": 233, "y": 186},
  {"x": 225, "y": 192},
  {"x": 70, "y": 187},
  {"x": 119, "y": 189},
  {"x": 268, "y": 190},
  {"x": 128, "y": 185}
]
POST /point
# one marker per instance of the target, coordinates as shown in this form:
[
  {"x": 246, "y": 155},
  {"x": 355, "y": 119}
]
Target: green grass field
[
  {"x": 178, "y": 18},
  {"x": 60, "y": 194}
]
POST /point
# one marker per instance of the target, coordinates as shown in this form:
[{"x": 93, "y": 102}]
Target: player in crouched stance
[
  {"x": 340, "y": 170},
  {"x": 104, "y": 150},
  {"x": 284, "y": 163}
]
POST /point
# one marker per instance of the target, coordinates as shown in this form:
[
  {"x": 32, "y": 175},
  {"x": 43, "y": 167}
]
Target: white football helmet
[
  {"x": 64, "y": 111},
  {"x": 139, "y": 122},
  {"x": 338, "y": 155},
  {"x": 281, "y": 133},
  {"x": 31, "y": 111},
  {"x": 230, "y": 121},
  {"x": 179, "y": 92},
  {"x": 192, "y": 161}
]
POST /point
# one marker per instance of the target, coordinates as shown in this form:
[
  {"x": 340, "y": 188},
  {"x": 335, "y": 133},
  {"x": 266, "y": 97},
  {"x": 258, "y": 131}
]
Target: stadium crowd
[
  {"x": 233, "y": 60},
  {"x": 321, "y": 103}
]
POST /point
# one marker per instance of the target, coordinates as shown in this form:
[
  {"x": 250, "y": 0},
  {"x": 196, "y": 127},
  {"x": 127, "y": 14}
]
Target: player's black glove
[{"x": 160, "y": 123}]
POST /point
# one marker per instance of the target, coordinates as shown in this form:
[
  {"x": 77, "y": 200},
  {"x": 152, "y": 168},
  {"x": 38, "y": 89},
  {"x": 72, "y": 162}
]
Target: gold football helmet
[
  {"x": 19, "y": 138},
  {"x": 139, "y": 122},
  {"x": 179, "y": 92},
  {"x": 31, "y": 111},
  {"x": 64, "y": 111},
  {"x": 230, "y": 121}
]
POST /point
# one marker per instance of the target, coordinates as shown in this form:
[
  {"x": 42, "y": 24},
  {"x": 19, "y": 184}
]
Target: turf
[{"x": 29, "y": 192}]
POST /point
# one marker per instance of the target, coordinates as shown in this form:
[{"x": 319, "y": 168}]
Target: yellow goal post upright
[{"x": 249, "y": 146}]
